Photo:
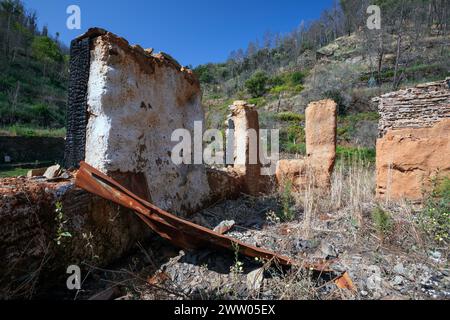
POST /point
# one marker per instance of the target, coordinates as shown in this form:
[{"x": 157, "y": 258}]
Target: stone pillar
[
  {"x": 320, "y": 131},
  {"x": 244, "y": 120},
  {"x": 316, "y": 168}
]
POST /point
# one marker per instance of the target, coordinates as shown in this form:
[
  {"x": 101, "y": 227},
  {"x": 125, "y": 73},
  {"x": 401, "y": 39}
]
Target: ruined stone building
[
  {"x": 414, "y": 140},
  {"x": 124, "y": 104}
]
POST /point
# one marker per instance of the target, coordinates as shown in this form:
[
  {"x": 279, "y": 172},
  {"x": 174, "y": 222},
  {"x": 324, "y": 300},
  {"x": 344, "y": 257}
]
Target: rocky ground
[
  {"x": 381, "y": 267},
  {"x": 399, "y": 262}
]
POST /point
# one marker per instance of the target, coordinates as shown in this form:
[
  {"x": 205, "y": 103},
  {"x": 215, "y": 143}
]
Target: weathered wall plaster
[{"x": 135, "y": 101}]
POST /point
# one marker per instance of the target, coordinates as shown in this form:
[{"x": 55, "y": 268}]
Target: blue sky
[{"x": 192, "y": 31}]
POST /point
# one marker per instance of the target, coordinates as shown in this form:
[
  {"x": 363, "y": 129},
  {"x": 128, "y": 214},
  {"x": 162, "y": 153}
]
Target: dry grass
[{"x": 342, "y": 216}]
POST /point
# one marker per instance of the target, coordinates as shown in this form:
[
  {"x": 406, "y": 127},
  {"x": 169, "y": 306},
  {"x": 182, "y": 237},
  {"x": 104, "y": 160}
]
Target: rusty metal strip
[
  {"x": 182, "y": 233},
  {"x": 345, "y": 282}
]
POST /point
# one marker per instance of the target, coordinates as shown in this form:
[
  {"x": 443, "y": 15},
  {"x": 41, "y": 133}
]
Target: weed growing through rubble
[
  {"x": 60, "y": 233},
  {"x": 435, "y": 218},
  {"x": 287, "y": 200},
  {"x": 272, "y": 217},
  {"x": 89, "y": 237},
  {"x": 238, "y": 267},
  {"x": 383, "y": 221}
]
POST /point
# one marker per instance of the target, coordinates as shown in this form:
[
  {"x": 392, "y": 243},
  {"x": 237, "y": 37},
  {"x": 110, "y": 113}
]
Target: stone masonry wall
[
  {"x": 414, "y": 143},
  {"x": 418, "y": 107},
  {"x": 135, "y": 100}
]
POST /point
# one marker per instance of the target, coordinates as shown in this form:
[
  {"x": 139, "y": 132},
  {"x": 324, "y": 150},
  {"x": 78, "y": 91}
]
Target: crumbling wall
[
  {"x": 419, "y": 107},
  {"x": 414, "y": 140},
  {"x": 135, "y": 100},
  {"x": 316, "y": 168},
  {"x": 38, "y": 242},
  {"x": 245, "y": 123}
]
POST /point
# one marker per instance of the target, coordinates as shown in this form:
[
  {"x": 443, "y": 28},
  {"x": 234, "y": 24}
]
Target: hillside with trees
[
  {"x": 34, "y": 77},
  {"x": 405, "y": 25},
  {"x": 337, "y": 57}
]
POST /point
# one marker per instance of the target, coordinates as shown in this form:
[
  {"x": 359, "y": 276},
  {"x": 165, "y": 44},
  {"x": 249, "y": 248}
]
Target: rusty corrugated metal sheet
[{"x": 180, "y": 232}]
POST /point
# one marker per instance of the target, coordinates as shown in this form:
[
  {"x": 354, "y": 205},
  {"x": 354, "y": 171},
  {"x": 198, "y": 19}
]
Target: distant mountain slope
[
  {"x": 411, "y": 46},
  {"x": 334, "y": 57},
  {"x": 33, "y": 81}
]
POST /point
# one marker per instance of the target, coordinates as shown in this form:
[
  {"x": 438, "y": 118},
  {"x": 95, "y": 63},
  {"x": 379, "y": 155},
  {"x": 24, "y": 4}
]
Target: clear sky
[{"x": 192, "y": 31}]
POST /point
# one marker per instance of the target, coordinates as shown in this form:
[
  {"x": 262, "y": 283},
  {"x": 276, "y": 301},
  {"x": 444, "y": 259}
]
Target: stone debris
[
  {"x": 224, "y": 226},
  {"x": 36, "y": 172},
  {"x": 255, "y": 279},
  {"x": 53, "y": 172}
]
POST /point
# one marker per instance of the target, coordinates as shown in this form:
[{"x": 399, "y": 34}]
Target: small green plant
[
  {"x": 238, "y": 266},
  {"x": 260, "y": 101},
  {"x": 289, "y": 116},
  {"x": 60, "y": 233},
  {"x": 435, "y": 218},
  {"x": 383, "y": 221},
  {"x": 287, "y": 213},
  {"x": 297, "y": 77}
]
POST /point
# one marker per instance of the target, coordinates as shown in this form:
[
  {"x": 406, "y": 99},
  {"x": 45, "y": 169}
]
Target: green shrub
[
  {"x": 296, "y": 133},
  {"x": 292, "y": 138},
  {"x": 297, "y": 78},
  {"x": 382, "y": 221},
  {"x": 294, "y": 148},
  {"x": 287, "y": 212},
  {"x": 353, "y": 153},
  {"x": 28, "y": 131},
  {"x": 45, "y": 49},
  {"x": 13, "y": 172},
  {"x": 361, "y": 116},
  {"x": 435, "y": 218},
  {"x": 337, "y": 97},
  {"x": 279, "y": 89},
  {"x": 289, "y": 116},
  {"x": 277, "y": 81},
  {"x": 298, "y": 88},
  {"x": 260, "y": 101},
  {"x": 256, "y": 85}
]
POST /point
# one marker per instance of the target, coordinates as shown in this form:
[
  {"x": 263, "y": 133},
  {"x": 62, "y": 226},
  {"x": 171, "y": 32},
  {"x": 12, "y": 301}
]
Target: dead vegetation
[{"x": 381, "y": 244}]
